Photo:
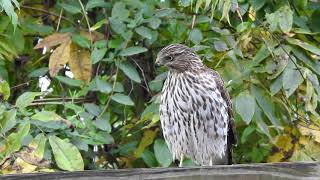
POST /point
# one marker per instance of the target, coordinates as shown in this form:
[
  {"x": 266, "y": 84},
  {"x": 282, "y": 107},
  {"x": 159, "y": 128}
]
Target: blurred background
[{"x": 79, "y": 89}]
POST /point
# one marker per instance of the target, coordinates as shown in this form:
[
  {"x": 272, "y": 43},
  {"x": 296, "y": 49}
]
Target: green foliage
[{"x": 107, "y": 114}]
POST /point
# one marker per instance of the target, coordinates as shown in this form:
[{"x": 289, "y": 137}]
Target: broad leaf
[
  {"x": 130, "y": 71},
  {"x": 26, "y": 99},
  {"x": 66, "y": 155},
  {"x": 59, "y": 58},
  {"x": 80, "y": 63},
  {"x": 122, "y": 99},
  {"x": 245, "y": 106},
  {"x": 53, "y": 40},
  {"x": 133, "y": 50},
  {"x": 162, "y": 153}
]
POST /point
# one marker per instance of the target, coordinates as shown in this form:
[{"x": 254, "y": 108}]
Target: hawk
[{"x": 195, "y": 109}]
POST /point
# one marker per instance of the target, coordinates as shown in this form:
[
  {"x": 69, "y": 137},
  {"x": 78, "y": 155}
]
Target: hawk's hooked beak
[{"x": 158, "y": 62}]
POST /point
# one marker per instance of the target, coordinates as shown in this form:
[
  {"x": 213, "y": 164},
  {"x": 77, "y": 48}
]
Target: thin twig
[
  {"x": 87, "y": 19},
  {"x": 143, "y": 76},
  {"x": 48, "y": 12},
  {"x": 59, "y": 20},
  {"x": 19, "y": 85},
  {"x": 112, "y": 91}
]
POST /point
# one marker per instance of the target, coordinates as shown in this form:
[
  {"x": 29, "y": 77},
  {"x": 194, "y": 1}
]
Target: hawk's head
[{"x": 178, "y": 57}]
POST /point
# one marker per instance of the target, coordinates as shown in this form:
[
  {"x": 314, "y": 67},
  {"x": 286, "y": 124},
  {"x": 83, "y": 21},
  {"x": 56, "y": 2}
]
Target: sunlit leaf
[
  {"x": 26, "y": 99},
  {"x": 66, "y": 155}
]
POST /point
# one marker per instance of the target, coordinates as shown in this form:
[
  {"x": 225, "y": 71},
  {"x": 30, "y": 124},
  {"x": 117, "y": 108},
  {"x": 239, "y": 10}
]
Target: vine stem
[
  {"x": 112, "y": 91},
  {"x": 87, "y": 19}
]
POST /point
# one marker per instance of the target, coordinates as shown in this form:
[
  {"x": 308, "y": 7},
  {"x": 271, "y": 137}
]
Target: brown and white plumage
[{"x": 195, "y": 109}]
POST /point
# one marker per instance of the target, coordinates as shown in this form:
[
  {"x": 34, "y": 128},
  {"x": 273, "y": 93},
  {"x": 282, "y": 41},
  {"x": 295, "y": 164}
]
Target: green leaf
[
  {"x": 276, "y": 85},
  {"x": 245, "y": 106},
  {"x": 71, "y": 8},
  {"x": 285, "y": 19},
  {"x": 46, "y": 116},
  {"x": 195, "y": 36},
  {"x": 247, "y": 131},
  {"x": 4, "y": 90},
  {"x": 117, "y": 26},
  {"x": 162, "y": 153},
  {"x": 103, "y": 122},
  {"x": 66, "y": 155},
  {"x": 122, "y": 99},
  {"x": 243, "y": 26},
  {"x": 220, "y": 46},
  {"x": 132, "y": 51},
  {"x": 98, "y": 54},
  {"x": 119, "y": 11},
  {"x": 304, "y": 45},
  {"x": 7, "y": 120},
  {"x": 38, "y": 72},
  {"x": 130, "y": 71},
  {"x": 14, "y": 140},
  {"x": 291, "y": 79},
  {"x": 154, "y": 22},
  {"x": 8, "y": 7},
  {"x": 95, "y": 3},
  {"x": 265, "y": 102},
  {"x": 69, "y": 81},
  {"x": 26, "y": 99},
  {"x": 164, "y": 12},
  {"x": 257, "y": 4},
  {"x": 81, "y": 41},
  {"x": 98, "y": 25},
  {"x": 144, "y": 32},
  {"x": 149, "y": 158},
  {"x": 92, "y": 109},
  {"x": 262, "y": 54},
  {"x": 103, "y": 86}
]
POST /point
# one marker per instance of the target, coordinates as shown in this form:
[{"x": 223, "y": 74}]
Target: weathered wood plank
[{"x": 301, "y": 170}]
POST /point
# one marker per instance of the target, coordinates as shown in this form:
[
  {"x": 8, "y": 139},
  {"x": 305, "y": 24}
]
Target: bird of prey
[{"x": 195, "y": 109}]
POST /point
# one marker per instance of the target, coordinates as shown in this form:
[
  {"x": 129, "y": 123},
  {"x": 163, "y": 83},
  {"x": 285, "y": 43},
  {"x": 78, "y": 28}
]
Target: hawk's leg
[{"x": 181, "y": 160}]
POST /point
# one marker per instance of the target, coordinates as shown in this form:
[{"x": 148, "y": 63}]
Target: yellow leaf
[
  {"x": 59, "y": 58},
  {"x": 284, "y": 142},
  {"x": 277, "y": 157},
  {"x": 252, "y": 14},
  {"x": 23, "y": 166},
  {"x": 310, "y": 130},
  {"x": 53, "y": 40},
  {"x": 147, "y": 139},
  {"x": 80, "y": 63}
]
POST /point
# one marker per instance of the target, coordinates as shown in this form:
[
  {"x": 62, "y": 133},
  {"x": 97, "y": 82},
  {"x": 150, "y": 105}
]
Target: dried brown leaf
[
  {"x": 53, "y": 40},
  {"x": 59, "y": 58},
  {"x": 80, "y": 63}
]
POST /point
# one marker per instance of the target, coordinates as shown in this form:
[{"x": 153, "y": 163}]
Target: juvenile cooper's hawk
[{"x": 195, "y": 109}]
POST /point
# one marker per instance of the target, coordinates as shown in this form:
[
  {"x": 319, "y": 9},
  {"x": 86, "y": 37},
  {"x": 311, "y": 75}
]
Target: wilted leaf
[
  {"x": 80, "y": 63},
  {"x": 310, "y": 130},
  {"x": 14, "y": 140},
  {"x": 130, "y": 71},
  {"x": 162, "y": 153},
  {"x": 132, "y": 51},
  {"x": 23, "y": 166},
  {"x": 66, "y": 155},
  {"x": 26, "y": 99},
  {"x": 122, "y": 99},
  {"x": 53, "y": 40},
  {"x": 59, "y": 57},
  {"x": 147, "y": 139},
  {"x": 245, "y": 106}
]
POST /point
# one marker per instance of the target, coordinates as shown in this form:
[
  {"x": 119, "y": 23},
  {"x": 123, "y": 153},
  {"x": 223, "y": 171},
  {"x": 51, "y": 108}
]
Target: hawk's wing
[{"x": 232, "y": 136}]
